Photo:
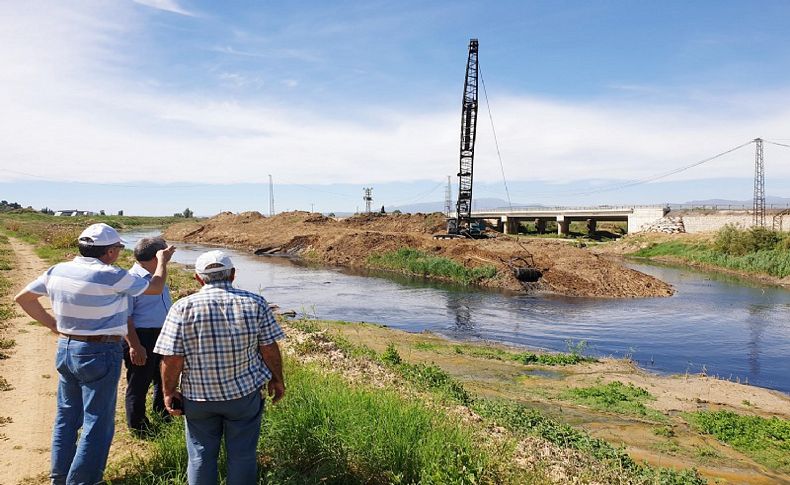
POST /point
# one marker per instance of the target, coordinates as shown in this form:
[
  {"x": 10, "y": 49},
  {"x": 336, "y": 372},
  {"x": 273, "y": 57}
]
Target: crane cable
[{"x": 496, "y": 141}]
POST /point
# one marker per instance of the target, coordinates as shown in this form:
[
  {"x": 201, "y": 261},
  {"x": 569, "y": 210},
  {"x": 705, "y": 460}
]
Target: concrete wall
[
  {"x": 714, "y": 222},
  {"x": 644, "y": 215}
]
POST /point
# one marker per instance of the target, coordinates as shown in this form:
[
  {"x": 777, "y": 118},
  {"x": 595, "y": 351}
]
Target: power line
[
  {"x": 645, "y": 180},
  {"x": 778, "y": 144}
]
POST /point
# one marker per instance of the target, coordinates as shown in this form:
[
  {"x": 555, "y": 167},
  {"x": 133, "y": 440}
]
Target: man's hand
[
  {"x": 276, "y": 390},
  {"x": 174, "y": 399},
  {"x": 32, "y": 306},
  {"x": 137, "y": 354},
  {"x": 164, "y": 255}
]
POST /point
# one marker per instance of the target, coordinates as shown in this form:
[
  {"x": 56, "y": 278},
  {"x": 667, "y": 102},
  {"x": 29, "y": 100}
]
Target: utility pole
[
  {"x": 759, "y": 184},
  {"x": 368, "y": 198},
  {"x": 448, "y": 198},
  {"x": 271, "y": 196}
]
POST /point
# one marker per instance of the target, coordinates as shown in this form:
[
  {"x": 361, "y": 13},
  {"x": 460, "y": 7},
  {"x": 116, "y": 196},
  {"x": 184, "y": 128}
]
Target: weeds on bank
[
  {"x": 329, "y": 431},
  {"x": 530, "y": 422},
  {"x": 756, "y": 250},
  {"x": 417, "y": 262},
  {"x": 527, "y": 421},
  {"x": 615, "y": 397},
  {"x": 766, "y": 440}
]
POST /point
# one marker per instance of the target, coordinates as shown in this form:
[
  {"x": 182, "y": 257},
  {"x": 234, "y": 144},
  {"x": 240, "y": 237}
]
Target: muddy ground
[
  {"x": 567, "y": 269},
  {"x": 541, "y": 387}
]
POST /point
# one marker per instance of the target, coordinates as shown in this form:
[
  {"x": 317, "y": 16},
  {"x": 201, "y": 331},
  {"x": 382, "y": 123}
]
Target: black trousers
[{"x": 139, "y": 379}]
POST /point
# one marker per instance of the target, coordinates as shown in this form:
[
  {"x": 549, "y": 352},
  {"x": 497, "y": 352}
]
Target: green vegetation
[
  {"x": 7, "y": 343},
  {"x": 517, "y": 417},
  {"x": 329, "y": 431},
  {"x": 615, "y": 397},
  {"x": 428, "y": 377},
  {"x": 55, "y": 240},
  {"x": 5, "y": 385},
  {"x": 766, "y": 440},
  {"x": 530, "y": 422},
  {"x": 754, "y": 250},
  {"x": 416, "y": 262},
  {"x": 574, "y": 356}
]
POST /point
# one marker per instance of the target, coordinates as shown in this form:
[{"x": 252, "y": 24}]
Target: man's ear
[{"x": 197, "y": 278}]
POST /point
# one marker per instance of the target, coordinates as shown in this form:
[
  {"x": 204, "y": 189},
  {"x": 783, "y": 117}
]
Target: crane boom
[{"x": 463, "y": 220}]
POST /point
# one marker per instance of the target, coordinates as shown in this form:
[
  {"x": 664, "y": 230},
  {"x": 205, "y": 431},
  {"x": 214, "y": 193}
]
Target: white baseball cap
[
  {"x": 100, "y": 235},
  {"x": 217, "y": 259}
]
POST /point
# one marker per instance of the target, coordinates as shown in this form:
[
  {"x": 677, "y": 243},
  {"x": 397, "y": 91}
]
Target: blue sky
[{"x": 155, "y": 105}]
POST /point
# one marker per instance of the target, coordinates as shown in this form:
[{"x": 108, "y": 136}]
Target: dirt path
[{"x": 25, "y": 441}]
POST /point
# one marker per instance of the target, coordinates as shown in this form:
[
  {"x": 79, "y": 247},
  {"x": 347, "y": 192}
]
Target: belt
[{"x": 94, "y": 338}]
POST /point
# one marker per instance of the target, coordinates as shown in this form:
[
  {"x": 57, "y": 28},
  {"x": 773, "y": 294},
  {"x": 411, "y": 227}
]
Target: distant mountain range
[
  {"x": 769, "y": 199},
  {"x": 492, "y": 203},
  {"x": 477, "y": 204}
]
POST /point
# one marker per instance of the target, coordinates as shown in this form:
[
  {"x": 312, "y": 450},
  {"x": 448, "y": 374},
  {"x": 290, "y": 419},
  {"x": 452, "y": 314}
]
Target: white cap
[
  {"x": 219, "y": 260},
  {"x": 100, "y": 235}
]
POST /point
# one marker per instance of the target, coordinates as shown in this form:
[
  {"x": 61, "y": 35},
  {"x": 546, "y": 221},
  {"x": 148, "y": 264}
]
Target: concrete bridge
[{"x": 508, "y": 220}]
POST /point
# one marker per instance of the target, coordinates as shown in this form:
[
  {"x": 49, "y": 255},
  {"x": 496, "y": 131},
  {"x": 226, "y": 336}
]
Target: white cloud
[
  {"x": 166, "y": 5},
  {"x": 70, "y": 114}
]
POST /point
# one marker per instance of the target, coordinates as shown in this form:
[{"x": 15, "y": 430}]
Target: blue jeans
[
  {"x": 87, "y": 390},
  {"x": 240, "y": 420}
]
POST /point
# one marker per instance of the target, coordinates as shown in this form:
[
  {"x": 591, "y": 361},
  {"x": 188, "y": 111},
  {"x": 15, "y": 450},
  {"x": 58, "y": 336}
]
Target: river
[{"x": 715, "y": 324}]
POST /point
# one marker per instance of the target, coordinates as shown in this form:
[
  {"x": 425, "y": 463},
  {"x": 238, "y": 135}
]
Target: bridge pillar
[
  {"x": 563, "y": 226},
  {"x": 540, "y": 226},
  {"x": 591, "y": 225},
  {"x": 511, "y": 224}
]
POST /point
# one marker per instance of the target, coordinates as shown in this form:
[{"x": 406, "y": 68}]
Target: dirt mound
[
  {"x": 419, "y": 223},
  {"x": 566, "y": 269}
]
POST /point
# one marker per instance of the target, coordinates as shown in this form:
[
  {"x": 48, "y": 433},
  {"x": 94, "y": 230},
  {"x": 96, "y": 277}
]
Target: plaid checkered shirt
[{"x": 218, "y": 331}]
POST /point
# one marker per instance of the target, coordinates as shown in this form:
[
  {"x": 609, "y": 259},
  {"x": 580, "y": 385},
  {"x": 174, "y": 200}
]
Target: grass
[
  {"x": 329, "y": 431},
  {"x": 412, "y": 261},
  {"x": 526, "y": 358},
  {"x": 520, "y": 418},
  {"x": 753, "y": 251},
  {"x": 530, "y": 422},
  {"x": 766, "y": 440},
  {"x": 7, "y": 310},
  {"x": 615, "y": 397},
  {"x": 54, "y": 239}
]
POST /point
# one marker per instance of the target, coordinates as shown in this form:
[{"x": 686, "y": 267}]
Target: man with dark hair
[
  {"x": 146, "y": 315},
  {"x": 89, "y": 299},
  {"x": 222, "y": 344}
]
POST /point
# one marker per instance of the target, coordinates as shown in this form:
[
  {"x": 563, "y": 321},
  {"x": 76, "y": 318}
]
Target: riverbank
[
  {"x": 527, "y": 418},
  {"x": 767, "y": 266},
  {"x": 652, "y": 416},
  {"x": 368, "y": 240}
]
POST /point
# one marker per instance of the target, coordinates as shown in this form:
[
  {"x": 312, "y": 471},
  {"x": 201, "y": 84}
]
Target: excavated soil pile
[{"x": 566, "y": 269}]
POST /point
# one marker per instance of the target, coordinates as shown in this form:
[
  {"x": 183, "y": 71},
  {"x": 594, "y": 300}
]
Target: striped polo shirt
[{"x": 89, "y": 297}]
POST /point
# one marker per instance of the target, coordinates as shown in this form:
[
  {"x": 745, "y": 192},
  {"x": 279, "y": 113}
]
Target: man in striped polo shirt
[{"x": 90, "y": 301}]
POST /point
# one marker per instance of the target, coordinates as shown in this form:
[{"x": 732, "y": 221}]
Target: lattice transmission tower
[
  {"x": 368, "y": 198},
  {"x": 759, "y": 184}
]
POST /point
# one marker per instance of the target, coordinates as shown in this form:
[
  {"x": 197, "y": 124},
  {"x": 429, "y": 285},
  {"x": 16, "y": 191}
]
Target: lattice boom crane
[{"x": 462, "y": 222}]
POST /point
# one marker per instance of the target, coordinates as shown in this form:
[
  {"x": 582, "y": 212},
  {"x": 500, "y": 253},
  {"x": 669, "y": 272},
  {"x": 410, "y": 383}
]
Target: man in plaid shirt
[{"x": 222, "y": 343}]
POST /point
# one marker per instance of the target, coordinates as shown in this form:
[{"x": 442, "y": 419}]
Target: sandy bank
[{"x": 567, "y": 270}]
